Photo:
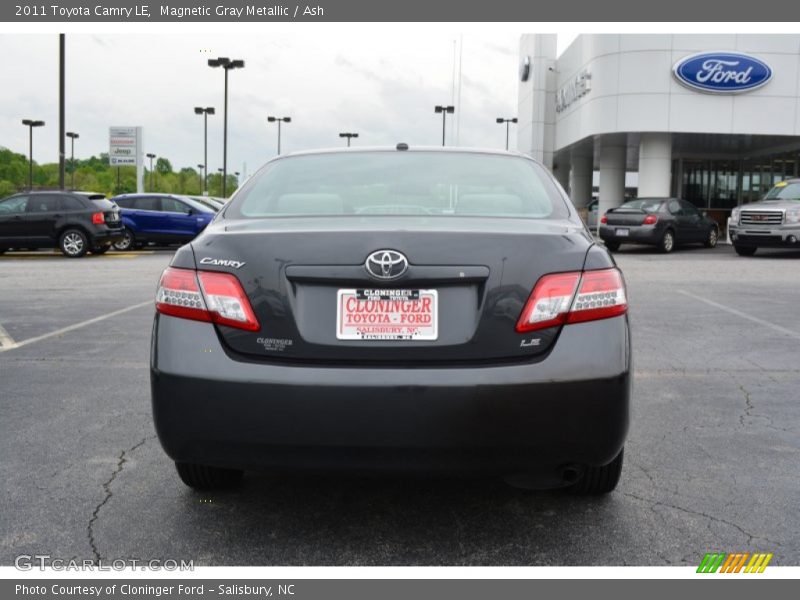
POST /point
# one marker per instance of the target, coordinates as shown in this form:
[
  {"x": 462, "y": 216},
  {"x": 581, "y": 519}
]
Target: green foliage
[{"x": 96, "y": 175}]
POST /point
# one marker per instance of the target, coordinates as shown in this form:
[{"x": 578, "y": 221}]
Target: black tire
[
  {"x": 712, "y": 237},
  {"x": 101, "y": 249},
  {"x": 613, "y": 246},
  {"x": 599, "y": 480},
  {"x": 126, "y": 243},
  {"x": 745, "y": 250},
  {"x": 667, "y": 242},
  {"x": 73, "y": 243},
  {"x": 3, "y": 250},
  {"x": 203, "y": 477}
]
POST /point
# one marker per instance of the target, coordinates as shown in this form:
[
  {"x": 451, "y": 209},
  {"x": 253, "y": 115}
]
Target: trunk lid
[
  {"x": 483, "y": 271},
  {"x": 626, "y": 216}
]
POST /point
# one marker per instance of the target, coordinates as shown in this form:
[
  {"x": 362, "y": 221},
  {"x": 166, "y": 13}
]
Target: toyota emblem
[{"x": 386, "y": 264}]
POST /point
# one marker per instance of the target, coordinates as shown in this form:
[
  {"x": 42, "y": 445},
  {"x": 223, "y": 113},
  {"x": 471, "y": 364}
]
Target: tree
[
  {"x": 95, "y": 174},
  {"x": 163, "y": 166}
]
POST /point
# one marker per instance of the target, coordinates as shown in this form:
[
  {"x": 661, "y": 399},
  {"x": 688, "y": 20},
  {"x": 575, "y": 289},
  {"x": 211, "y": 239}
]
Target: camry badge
[
  {"x": 222, "y": 262},
  {"x": 386, "y": 264}
]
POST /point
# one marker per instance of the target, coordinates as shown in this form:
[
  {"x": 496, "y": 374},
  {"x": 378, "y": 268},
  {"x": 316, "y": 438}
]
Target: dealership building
[{"x": 713, "y": 119}]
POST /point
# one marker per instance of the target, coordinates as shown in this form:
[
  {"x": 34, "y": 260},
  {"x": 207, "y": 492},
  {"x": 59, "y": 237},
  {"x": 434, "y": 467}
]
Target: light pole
[
  {"x": 508, "y": 125},
  {"x": 151, "y": 157},
  {"x": 72, "y": 136},
  {"x": 279, "y": 120},
  {"x": 30, "y": 124},
  {"x": 208, "y": 110},
  {"x": 227, "y": 64},
  {"x": 201, "y": 167},
  {"x": 444, "y": 110},
  {"x": 349, "y": 136}
]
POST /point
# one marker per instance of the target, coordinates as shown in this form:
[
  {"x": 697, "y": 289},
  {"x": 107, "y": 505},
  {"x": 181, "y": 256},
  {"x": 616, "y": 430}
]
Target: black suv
[{"x": 75, "y": 222}]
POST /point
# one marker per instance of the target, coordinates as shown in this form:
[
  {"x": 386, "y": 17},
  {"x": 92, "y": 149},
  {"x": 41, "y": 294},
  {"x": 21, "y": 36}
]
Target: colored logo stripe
[
  {"x": 733, "y": 563},
  {"x": 758, "y": 563},
  {"x": 711, "y": 562}
]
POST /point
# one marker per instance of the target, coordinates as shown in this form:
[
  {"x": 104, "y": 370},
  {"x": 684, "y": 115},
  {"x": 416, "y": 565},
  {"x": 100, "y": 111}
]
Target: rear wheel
[
  {"x": 667, "y": 243},
  {"x": 613, "y": 246},
  {"x": 745, "y": 250},
  {"x": 101, "y": 249},
  {"x": 711, "y": 238},
  {"x": 73, "y": 243},
  {"x": 127, "y": 242},
  {"x": 600, "y": 480},
  {"x": 203, "y": 477}
]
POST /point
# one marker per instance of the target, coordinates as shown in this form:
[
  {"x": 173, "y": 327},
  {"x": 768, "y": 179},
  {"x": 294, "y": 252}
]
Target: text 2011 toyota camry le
[{"x": 395, "y": 310}]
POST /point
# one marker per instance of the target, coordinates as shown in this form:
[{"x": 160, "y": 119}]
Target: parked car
[
  {"x": 772, "y": 223},
  {"x": 591, "y": 215},
  {"x": 74, "y": 222},
  {"x": 160, "y": 219},
  {"x": 210, "y": 201},
  {"x": 395, "y": 310},
  {"x": 662, "y": 222}
]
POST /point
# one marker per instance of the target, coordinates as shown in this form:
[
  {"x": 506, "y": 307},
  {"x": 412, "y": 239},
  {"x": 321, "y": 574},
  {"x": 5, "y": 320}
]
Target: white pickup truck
[{"x": 773, "y": 222}]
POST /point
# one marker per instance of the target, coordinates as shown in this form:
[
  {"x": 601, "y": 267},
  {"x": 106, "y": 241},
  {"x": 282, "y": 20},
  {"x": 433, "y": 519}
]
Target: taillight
[
  {"x": 650, "y": 220},
  {"x": 205, "y": 296},
  {"x": 98, "y": 218},
  {"x": 604, "y": 219},
  {"x": 561, "y": 298}
]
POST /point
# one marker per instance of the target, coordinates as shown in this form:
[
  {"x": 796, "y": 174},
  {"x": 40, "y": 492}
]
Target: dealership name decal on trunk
[{"x": 222, "y": 262}]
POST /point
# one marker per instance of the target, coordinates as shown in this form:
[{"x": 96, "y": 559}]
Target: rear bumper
[
  {"x": 637, "y": 234},
  {"x": 107, "y": 235},
  {"x": 568, "y": 410}
]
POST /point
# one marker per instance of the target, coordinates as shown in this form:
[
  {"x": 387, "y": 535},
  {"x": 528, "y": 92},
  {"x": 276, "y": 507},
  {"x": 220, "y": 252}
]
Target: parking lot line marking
[
  {"x": 6, "y": 341},
  {"x": 43, "y": 255},
  {"x": 743, "y": 315},
  {"x": 63, "y": 330}
]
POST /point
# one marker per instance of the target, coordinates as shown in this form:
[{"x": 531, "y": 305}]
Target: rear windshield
[
  {"x": 401, "y": 183},
  {"x": 645, "y": 204},
  {"x": 784, "y": 191}
]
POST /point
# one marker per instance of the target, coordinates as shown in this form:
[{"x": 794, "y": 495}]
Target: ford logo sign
[{"x": 722, "y": 72}]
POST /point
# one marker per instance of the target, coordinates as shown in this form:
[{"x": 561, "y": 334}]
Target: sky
[{"x": 374, "y": 82}]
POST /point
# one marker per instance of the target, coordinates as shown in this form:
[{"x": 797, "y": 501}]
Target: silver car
[{"x": 773, "y": 222}]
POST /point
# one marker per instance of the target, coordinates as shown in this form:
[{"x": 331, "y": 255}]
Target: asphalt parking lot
[{"x": 712, "y": 461}]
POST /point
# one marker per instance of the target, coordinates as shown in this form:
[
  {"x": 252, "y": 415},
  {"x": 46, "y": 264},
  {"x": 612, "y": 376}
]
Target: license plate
[
  {"x": 389, "y": 315},
  {"x": 623, "y": 232}
]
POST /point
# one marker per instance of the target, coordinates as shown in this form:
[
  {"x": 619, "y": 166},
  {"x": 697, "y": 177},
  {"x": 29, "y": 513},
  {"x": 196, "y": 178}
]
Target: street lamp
[
  {"x": 30, "y": 124},
  {"x": 209, "y": 110},
  {"x": 349, "y": 136},
  {"x": 151, "y": 157},
  {"x": 227, "y": 64},
  {"x": 201, "y": 167},
  {"x": 444, "y": 110},
  {"x": 508, "y": 125},
  {"x": 72, "y": 136},
  {"x": 279, "y": 120}
]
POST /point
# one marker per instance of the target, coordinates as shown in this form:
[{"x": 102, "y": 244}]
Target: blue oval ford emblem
[{"x": 722, "y": 72}]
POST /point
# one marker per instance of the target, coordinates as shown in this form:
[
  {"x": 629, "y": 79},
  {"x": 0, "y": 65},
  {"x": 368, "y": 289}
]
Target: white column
[
  {"x": 561, "y": 172},
  {"x": 655, "y": 165},
  {"x": 612, "y": 177},
  {"x": 581, "y": 184}
]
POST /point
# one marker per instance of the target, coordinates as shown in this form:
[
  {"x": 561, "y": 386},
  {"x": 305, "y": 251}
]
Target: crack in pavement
[
  {"x": 652, "y": 504},
  {"x": 121, "y": 460},
  {"x": 748, "y": 406}
]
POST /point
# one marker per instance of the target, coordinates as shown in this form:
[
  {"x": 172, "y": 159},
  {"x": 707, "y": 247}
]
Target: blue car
[{"x": 160, "y": 219}]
